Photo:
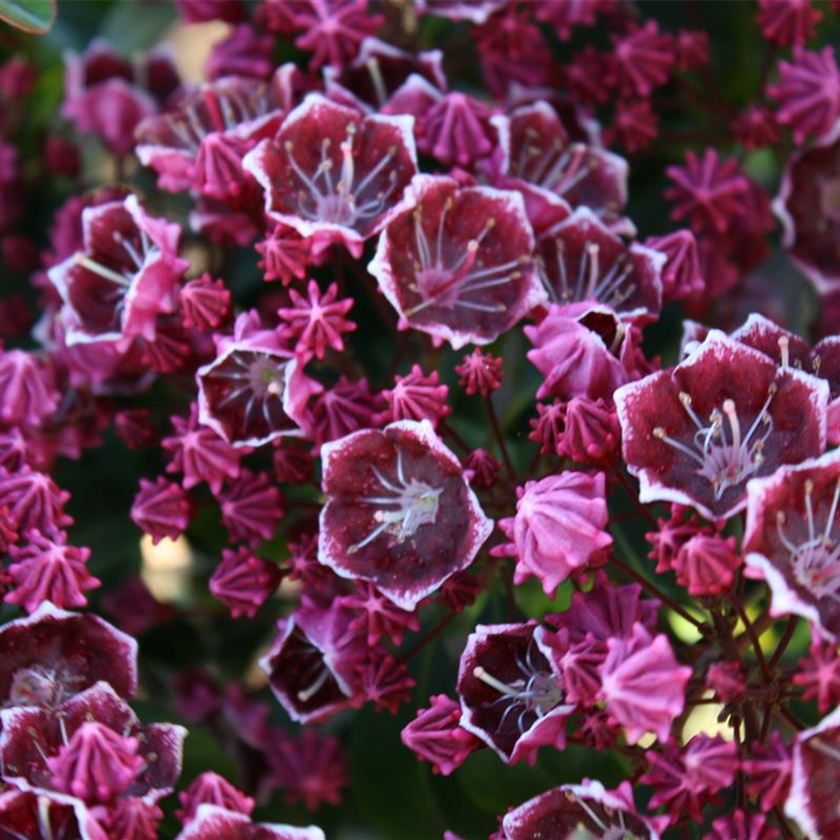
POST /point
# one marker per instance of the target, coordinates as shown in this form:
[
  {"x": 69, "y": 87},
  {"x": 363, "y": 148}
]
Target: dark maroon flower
[
  {"x": 335, "y": 173},
  {"x": 635, "y": 125},
  {"x": 311, "y": 769},
  {"x": 708, "y": 191},
  {"x": 212, "y": 789},
  {"x": 681, "y": 275},
  {"x": 482, "y": 468},
  {"x": 214, "y": 823},
  {"x": 255, "y": 390},
  {"x": 788, "y": 22},
  {"x": 234, "y": 113},
  {"x": 52, "y": 655},
  {"x": 538, "y": 156},
  {"x": 399, "y": 512},
  {"x": 161, "y": 509},
  {"x": 697, "y": 433},
  {"x": 203, "y": 11},
  {"x": 808, "y": 92},
  {"x": 243, "y": 582},
  {"x": 251, "y": 506},
  {"x": 580, "y": 811},
  {"x": 385, "y": 682},
  {"x": 813, "y": 790},
  {"x": 512, "y": 696},
  {"x": 340, "y": 410},
  {"x": 580, "y": 259},
  {"x": 47, "y": 569},
  {"x": 28, "y": 815},
  {"x": 456, "y": 130},
  {"x": 134, "y": 608},
  {"x": 726, "y": 679},
  {"x": 808, "y": 206},
  {"x": 756, "y": 127},
  {"x": 742, "y": 825},
  {"x": 436, "y": 736},
  {"x": 123, "y": 278},
  {"x": 458, "y": 266},
  {"x": 791, "y": 536},
  {"x": 311, "y": 665},
  {"x": 316, "y": 321},
  {"x": 692, "y": 49}
]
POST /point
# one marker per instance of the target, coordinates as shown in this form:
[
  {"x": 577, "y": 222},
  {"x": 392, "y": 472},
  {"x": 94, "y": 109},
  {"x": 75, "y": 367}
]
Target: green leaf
[{"x": 36, "y": 16}]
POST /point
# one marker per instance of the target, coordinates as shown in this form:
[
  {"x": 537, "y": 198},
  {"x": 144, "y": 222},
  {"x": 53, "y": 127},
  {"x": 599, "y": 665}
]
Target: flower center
[
  {"x": 346, "y": 199},
  {"x": 613, "y": 831},
  {"x": 726, "y": 455},
  {"x": 591, "y": 279},
  {"x": 535, "y": 693},
  {"x": 556, "y": 166},
  {"x": 134, "y": 256},
  {"x": 815, "y": 561},
  {"x": 410, "y": 505},
  {"x": 446, "y": 274},
  {"x": 35, "y": 686}
]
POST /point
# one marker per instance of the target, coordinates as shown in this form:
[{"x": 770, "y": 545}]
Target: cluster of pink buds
[{"x": 435, "y": 389}]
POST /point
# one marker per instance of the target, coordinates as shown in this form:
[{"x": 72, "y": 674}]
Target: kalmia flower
[
  {"x": 161, "y": 509},
  {"x": 47, "y": 569},
  {"x": 27, "y": 389},
  {"x": 342, "y": 409},
  {"x": 681, "y": 276},
  {"x": 385, "y": 682},
  {"x": 436, "y": 736},
  {"x": 706, "y": 564},
  {"x": 456, "y": 130},
  {"x": 243, "y": 582},
  {"x": 788, "y": 22},
  {"x": 399, "y": 511},
  {"x": 316, "y": 321},
  {"x": 205, "y": 303},
  {"x": 808, "y": 92},
  {"x": 255, "y": 390},
  {"x": 480, "y": 373},
  {"x": 635, "y": 125},
  {"x": 727, "y": 680},
  {"x": 335, "y": 173},
  {"x": 559, "y": 528},
  {"x": 756, "y": 127},
  {"x": 130, "y": 817},
  {"x": 285, "y": 255},
  {"x": 692, "y": 48},
  {"x": 819, "y": 675},
  {"x": 32, "y": 501},
  {"x": 644, "y": 57},
  {"x": 697, "y": 433},
  {"x": 134, "y": 427},
  {"x": 591, "y": 433},
  {"x": 214, "y": 823},
  {"x": 417, "y": 397},
  {"x": 768, "y": 771},
  {"x": 512, "y": 695},
  {"x": 212, "y": 789},
  {"x": 742, "y": 826},
  {"x": 377, "y": 616},
  {"x": 482, "y": 468},
  {"x": 458, "y": 266},
  {"x": 242, "y": 53},
  {"x": 251, "y": 507},
  {"x": 707, "y": 191}
]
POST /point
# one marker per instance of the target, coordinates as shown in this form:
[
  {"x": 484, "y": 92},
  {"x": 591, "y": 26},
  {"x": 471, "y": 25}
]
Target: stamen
[
  {"x": 784, "y": 349},
  {"x": 307, "y": 694},
  {"x": 101, "y": 270},
  {"x": 480, "y": 674}
]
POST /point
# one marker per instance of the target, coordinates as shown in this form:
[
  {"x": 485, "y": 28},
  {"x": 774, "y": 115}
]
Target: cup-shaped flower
[
  {"x": 697, "y": 433},
  {"x": 335, "y": 172},
  {"x": 212, "y": 822},
  {"x": 559, "y": 528},
  {"x": 512, "y": 695},
  {"x": 792, "y": 539},
  {"x": 399, "y": 511},
  {"x": 458, "y": 265}
]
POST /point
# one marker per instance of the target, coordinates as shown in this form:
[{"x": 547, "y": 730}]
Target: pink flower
[
  {"x": 559, "y": 528},
  {"x": 161, "y": 509},
  {"x": 580, "y": 259},
  {"x": 436, "y": 736},
  {"x": 212, "y": 789},
  {"x": 512, "y": 695},
  {"x": 334, "y": 172},
  {"x": 255, "y": 390},
  {"x": 707, "y": 564},
  {"x": 316, "y": 321},
  {"x": 96, "y": 764},
  {"x": 32, "y": 501},
  {"x": 809, "y": 93},
  {"x": 131, "y": 817},
  {"x": 768, "y": 771},
  {"x": 27, "y": 389},
  {"x": 790, "y": 539},
  {"x": 788, "y": 22},
  {"x": 642, "y": 684},
  {"x": 285, "y": 255},
  {"x": 727, "y": 680},
  {"x": 376, "y": 616},
  {"x": 416, "y": 397},
  {"x": 819, "y": 675},
  {"x": 47, "y": 569},
  {"x": 697, "y": 433},
  {"x": 200, "y": 453},
  {"x": 681, "y": 275},
  {"x": 399, "y": 511},
  {"x": 643, "y": 58},
  {"x": 243, "y": 582},
  {"x": 242, "y": 53},
  {"x": 635, "y": 125},
  {"x": 742, "y": 825},
  {"x": 205, "y": 303},
  {"x": 456, "y": 130},
  {"x": 756, "y": 127},
  {"x": 708, "y": 192},
  {"x": 214, "y": 823},
  {"x": 123, "y": 278},
  {"x": 251, "y": 507},
  {"x": 311, "y": 769},
  {"x": 592, "y": 432},
  {"x": 563, "y": 812},
  {"x": 480, "y": 373},
  {"x": 458, "y": 266},
  {"x": 341, "y": 410}
]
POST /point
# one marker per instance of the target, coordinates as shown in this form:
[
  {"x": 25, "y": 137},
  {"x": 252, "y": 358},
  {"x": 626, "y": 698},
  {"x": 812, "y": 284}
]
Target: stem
[
  {"x": 784, "y": 642},
  {"x": 429, "y": 637},
  {"x": 654, "y": 590},
  {"x": 500, "y": 439},
  {"x": 756, "y": 645},
  {"x": 792, "y": 721}
]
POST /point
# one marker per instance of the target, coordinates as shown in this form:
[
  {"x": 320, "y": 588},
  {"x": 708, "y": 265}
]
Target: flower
[
  {"x": 416, "y": 397},
  {"x": 706, "y": 564},
  {"x": 205, "y": 303},
  {"x": 643, "y": 58},
  {"x": 559, "y": 528},
  {"x": 480, "y": 373},
  {"x": 787, "y": 22},
  {"x": 790, "y": 539},
  {"x": 456, "y": 129},
  {"x": 243, "y": 582},
  {"x": 585, "y": 810},
  {"x": 697, "y": 433},
  {"x": 681, "y": 275},
  {"x": 316, "y": 321},
  {"x": 642, "y": 684},
  {"x": 333, "y": 172},
  {"x": 213, "y": 789},
  {"x": 399, "y": 511},
  {"x": 512, "y": 695},
  {"x": 251, "y": 506},
  {"x": 214, "y": 823},
  {"x": 27, "y": 389},
  {"x": 161, "y": 509},
  {"x": 458, "y": 265}
]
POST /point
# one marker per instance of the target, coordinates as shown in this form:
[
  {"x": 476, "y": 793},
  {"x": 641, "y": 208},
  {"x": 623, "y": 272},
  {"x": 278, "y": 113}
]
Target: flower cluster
[{"x": 345, "y": 373}]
